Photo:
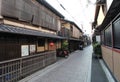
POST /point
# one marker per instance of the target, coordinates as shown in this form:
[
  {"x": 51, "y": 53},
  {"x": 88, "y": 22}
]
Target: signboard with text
[
  {"x": 32, "y": 48},
  {"x": 24, "y": 50}
]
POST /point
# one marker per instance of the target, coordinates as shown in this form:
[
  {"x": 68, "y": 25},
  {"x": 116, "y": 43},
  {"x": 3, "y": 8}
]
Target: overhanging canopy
[
  {"x": 25, "y": 31},
  {"x": 74, "y": 39}
]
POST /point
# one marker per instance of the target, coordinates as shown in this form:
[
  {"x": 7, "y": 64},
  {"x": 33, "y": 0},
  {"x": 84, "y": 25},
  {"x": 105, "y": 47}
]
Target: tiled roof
[{"x": 24, "y": 31}]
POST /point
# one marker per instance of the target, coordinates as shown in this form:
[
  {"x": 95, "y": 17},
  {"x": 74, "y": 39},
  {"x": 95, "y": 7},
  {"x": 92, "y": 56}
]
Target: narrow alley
[
  {"x": 76, "y": 68},
  {"x": 52, "y": 41}
]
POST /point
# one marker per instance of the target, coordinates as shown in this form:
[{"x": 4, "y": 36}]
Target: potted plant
[
  {"x": 97, "y": 49},
  {"x": 65, "y": 48},
  {"x": 65, "y": 45}
]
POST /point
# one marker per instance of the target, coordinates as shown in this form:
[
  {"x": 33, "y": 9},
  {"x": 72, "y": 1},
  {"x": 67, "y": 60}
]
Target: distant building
[{"x": 73, "y": 34}]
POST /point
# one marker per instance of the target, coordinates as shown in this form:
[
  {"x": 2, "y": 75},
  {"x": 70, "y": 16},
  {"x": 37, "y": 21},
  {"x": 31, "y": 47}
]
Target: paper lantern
[{"x": 51, "y": 44}]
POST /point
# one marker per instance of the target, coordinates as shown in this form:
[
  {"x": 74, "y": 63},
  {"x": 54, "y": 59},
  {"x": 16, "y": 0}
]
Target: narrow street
[
  {"x": 97, "y": 72},
  {"x": 76, "y": 68},
  {"x": 36, "y": 37},
  {"x": 80, "y": 66}
]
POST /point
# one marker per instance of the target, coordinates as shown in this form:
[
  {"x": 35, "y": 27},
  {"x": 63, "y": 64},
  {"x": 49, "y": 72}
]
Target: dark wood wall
[
  {"x": 9, "y": 51},
  {"x": 73, "y": 45},
  {"x": 10, "y": 45}
]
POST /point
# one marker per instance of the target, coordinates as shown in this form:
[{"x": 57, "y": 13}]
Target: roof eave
[
  {"x": 113, "y": 11},
  {"x": 47, "y": 5}
]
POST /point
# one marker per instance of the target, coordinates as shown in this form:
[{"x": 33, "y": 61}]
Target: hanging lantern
[{"x": 51, "y": 44}]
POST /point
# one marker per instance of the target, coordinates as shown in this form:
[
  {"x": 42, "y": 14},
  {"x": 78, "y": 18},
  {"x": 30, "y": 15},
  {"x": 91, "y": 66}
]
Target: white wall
[
  {"x": 98, "y": 39},
  {"x": 109, "y": 2}
]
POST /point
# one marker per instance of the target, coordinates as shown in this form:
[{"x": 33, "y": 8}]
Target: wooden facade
[
  {"x": 16, "y": 69},
  {"x": 76, "y": 32},
  {"x": 72, "y": 29},
  {"x": 72, "y": 33},
  {"x": 11, "y": 45},
  {"x": 30, "y": 11},
  {"x": 28, "y": 15},
  {"x": 27, "y": 29}
]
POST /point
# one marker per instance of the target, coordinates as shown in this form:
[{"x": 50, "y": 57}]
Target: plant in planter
[
  {"x": 65, "y": 48},
  {"x": 97, "y": 49},
  {"x": 63, "y": 51},
  {"x": 65, "y": 45}
]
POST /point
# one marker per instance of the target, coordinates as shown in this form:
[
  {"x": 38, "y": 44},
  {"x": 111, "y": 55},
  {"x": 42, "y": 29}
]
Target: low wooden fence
[{"x": 16, "y": 69}]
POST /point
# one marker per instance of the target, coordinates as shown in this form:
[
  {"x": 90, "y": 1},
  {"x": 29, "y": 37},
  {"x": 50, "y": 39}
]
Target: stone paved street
[
  {"x": 97, "y": 73},
  {"x": 76, "y": 68}
]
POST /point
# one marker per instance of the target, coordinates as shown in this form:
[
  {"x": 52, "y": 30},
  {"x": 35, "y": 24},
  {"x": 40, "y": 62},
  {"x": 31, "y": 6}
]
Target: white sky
[{"x": 78, "y": 11}]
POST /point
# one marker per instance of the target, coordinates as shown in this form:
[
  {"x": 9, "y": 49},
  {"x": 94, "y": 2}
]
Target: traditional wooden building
[
  {"x": 28, "y": 37},
  {"x": 72, "y": 33},
  {"x": 110, "y": 42}
]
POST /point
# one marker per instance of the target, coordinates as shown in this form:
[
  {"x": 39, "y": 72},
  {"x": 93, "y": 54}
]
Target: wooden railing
[
  {"x": 16, "y": 69},
  {"x": 65, "y": 32}
]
